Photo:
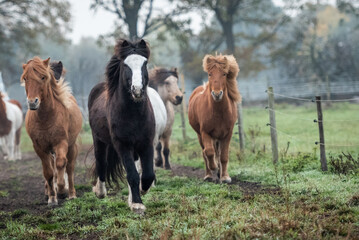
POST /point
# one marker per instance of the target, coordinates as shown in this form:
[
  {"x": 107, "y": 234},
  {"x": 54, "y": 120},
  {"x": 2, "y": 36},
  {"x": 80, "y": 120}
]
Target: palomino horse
[
  {"x": 165, "y": 82},
  {"x": 123, "y": 123},
  {"x": 53, "y": 123},
  {"x": 212, "y": 112},
  {"x": 10, "y": 128}
]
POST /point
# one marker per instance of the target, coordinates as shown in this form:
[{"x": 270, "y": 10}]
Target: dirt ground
[{"x": 24, "y": 184}]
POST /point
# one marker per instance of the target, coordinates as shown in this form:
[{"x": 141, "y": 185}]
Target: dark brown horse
[
  {"x": 212, "y": 112},
  {"x": 123, "y": 123},
  {"x": 53, "y": 123}
]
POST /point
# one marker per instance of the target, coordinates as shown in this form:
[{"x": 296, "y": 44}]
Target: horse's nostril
[
  {"x": 36, "y": 100},
  {"x": 179, "y": 98}
]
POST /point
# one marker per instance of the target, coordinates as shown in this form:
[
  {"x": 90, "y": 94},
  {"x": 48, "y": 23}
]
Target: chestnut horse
[
  {"x": 165, "y": 82},
  {"x": 123, "y": 123},
  {"x": 53, "y": 123},
  {"x": 212, "y": 112}
]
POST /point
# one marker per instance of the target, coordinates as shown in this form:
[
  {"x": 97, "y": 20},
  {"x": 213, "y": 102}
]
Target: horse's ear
[
  {"x": 174, "y": 69},
  {"x": 206, "y": 61},
  {"x": 57, "y": 68},
  {"x": 46, "y": 62},
  {"x": 142, "y": 43},
  {"x": 24, "y": 66},
  {"x": 125, "y": 43}
]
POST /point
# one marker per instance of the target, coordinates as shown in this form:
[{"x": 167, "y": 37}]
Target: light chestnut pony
[
  {"x": 212, "y": 113},
  {"x": 165, "y": 82},
  {"x": 53, "y": 123}
]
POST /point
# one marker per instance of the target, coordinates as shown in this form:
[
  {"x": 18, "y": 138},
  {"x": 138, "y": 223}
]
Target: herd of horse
[{"x": 131, "y": 115}]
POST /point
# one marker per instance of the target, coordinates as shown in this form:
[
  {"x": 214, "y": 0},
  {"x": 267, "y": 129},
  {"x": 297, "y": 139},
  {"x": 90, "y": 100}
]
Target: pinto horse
[
  {"x": 165, "y": 82},
  {"x": 123, "y": 123},
  {"x": 212, "y": 113},
  {"x": 10, "y": 128},
  {"x": 53, "y": 123}
]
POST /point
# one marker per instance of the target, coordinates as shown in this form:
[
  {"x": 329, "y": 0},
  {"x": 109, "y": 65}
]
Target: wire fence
[{"x": 315, "y": 120}]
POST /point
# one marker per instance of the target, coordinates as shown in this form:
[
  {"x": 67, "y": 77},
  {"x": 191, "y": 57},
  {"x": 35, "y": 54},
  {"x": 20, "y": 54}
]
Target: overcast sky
[{"x": 88, "y": 23}]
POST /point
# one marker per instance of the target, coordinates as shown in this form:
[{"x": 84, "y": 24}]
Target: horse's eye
[
  {"x": 210, "y": 75},
  {"x": 24, "y": 79},
  {"x": 43, "y": 78},
  {"x": 224, "y": 74}
]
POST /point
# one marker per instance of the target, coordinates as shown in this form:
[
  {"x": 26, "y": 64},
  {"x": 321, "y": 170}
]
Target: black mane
[
  {"x": 123, "y": 49},
  {"x": 157, "y": 76}
]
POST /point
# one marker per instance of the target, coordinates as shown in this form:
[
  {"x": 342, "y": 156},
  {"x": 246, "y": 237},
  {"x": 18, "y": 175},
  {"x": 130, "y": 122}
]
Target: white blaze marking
[{"x": 135, "y": 62}]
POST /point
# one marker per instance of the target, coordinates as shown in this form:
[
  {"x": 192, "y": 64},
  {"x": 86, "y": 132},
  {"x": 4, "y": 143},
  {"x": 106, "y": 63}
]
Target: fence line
[{"x": 312, "y": 100}]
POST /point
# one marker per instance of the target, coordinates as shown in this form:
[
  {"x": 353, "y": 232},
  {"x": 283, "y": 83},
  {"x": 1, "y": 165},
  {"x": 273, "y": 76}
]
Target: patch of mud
[
  {"x": 247, "y": 188},
  {"x": 23, "y": 187}
]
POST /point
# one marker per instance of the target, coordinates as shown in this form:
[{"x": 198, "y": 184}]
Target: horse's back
[
  {"x": 159, "y": 111},
  {"x": 96, "y": 91}
]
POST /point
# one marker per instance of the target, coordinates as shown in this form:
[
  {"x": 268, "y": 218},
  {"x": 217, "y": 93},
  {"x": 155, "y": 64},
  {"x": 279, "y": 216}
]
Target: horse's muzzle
[
  {"x": 178, "y": 100},
  {"x": 217, "y": 96},
  {"x": 137, "y": 93},
  {"x": 33, "y": 104}
]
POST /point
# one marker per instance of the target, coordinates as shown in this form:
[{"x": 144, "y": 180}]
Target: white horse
[
  {"x": 165, "y": 81},
  {"x": 160, "y": 113},
  {"x": 10, "y": 128}
]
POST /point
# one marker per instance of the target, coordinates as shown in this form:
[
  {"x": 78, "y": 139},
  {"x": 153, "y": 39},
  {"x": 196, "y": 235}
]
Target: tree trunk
[
  {"x": 131, "y": 21},
  {"x": 228, "y": 33}
]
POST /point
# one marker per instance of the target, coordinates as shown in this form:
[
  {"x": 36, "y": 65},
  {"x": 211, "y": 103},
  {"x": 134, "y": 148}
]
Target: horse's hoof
[
  {"x": 72, "y": 197},
  {"x": 138, "y": 208},
  {"x": 208, "y": 179},
  {"x": 98, "y": 193},
  {"x": 52, "y": 202},
  {"x": 226, "y": 180},
  {"x": 158, "y": 163},
  {"x": 62, "y": 195},
  {"x": 168, "y": 167}
]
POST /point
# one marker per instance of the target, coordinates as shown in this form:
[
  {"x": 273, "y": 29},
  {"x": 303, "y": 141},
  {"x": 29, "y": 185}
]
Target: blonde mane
[
  {"x": 61, "y": 90},
  {"x": 228, "y": 64}
]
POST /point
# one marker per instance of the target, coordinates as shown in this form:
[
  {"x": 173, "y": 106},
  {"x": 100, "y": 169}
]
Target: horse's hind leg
[
  {"x": 11, "y": 145},
  {"x": 61, "y": 151},
  {"x": 70, "y": 169},
  {"x": 159, "y": 160},
  {"x": 100, "y": 154},
  {"x": 17, "y": 144},
  {"x": 166, "y": 151}
]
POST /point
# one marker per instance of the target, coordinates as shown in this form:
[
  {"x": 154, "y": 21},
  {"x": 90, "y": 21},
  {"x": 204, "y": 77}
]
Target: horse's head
[
  {"x": 134, "y": 75},
  {"x": 166, "y": 83},
  {"x": 36, "y": 77},
  {"x": 217, "y": 69}
]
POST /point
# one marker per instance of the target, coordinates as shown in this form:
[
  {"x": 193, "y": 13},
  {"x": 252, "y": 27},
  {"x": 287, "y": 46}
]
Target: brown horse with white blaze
[
  {"x": 53, "y": 123},
  {"x": 212, "y": 112}
]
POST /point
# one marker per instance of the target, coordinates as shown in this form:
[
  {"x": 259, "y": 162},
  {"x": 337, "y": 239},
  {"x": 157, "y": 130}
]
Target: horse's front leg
[
  {"x": 11, "y": 145},
  {"x": 48, "y": 173},
  {"x": 148, "y": 174},
  {"x": 133, "y": 179},
  {"x": 224, "y": 157},
  {"x": 60, "y": 164},
  {"x": 208, "y": 154}
]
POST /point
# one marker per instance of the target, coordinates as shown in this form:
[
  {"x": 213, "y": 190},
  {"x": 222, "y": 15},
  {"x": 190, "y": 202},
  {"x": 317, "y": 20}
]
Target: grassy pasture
[{"x": 309, "y": 205}]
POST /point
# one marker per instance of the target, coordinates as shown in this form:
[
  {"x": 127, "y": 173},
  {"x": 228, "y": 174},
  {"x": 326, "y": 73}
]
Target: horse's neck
[
  {"x": 126, "y": 102},
  {"x": 47, "y": 107}
]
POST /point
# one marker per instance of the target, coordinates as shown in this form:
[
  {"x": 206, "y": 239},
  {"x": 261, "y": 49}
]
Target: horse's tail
[{"x": 114, "y": 168}]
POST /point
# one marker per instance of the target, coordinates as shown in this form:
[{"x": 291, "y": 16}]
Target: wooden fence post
[
  {"x": 273, "y": 127},
  {"x": 240, "y": 127},
  {"x": 323, "y": 158},
  {"x": 183, "y": 108}
]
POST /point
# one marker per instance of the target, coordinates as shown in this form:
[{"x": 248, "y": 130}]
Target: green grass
[{"x": 311, "y": 204}]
